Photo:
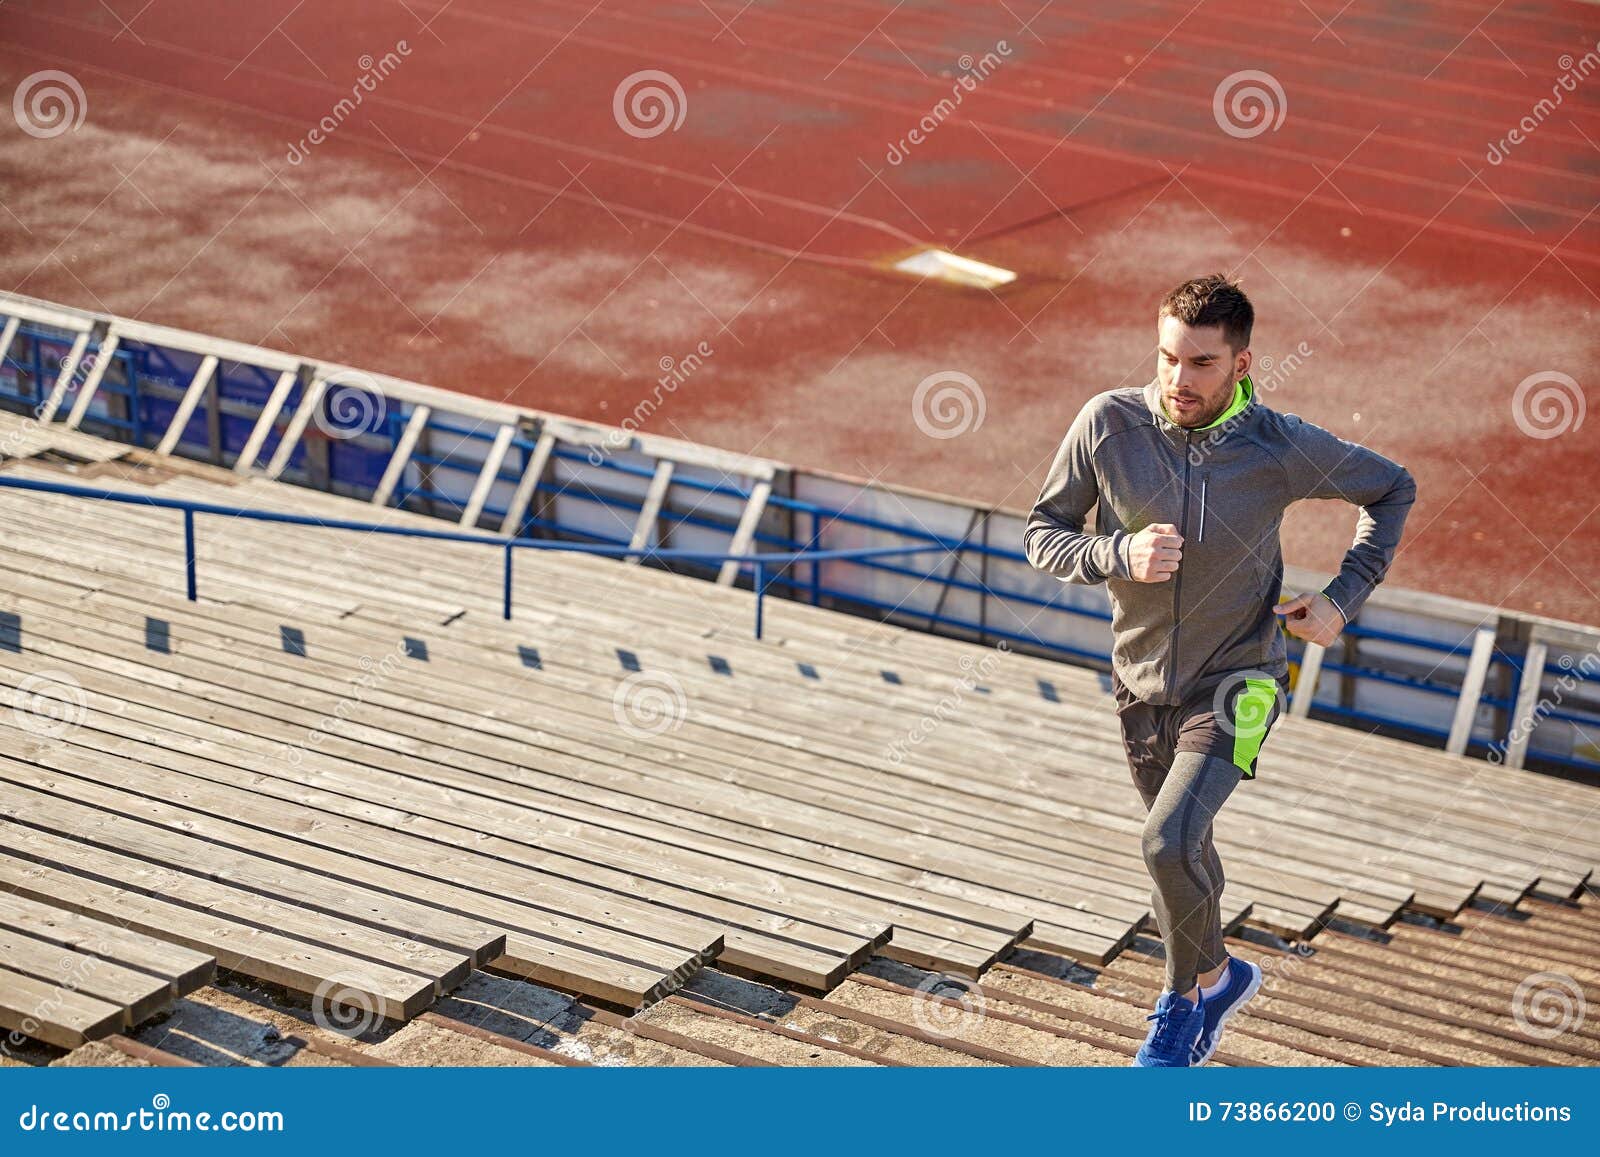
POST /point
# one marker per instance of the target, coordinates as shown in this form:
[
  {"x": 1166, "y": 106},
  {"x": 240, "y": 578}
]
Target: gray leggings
[{"x": 1178, "y": 850}]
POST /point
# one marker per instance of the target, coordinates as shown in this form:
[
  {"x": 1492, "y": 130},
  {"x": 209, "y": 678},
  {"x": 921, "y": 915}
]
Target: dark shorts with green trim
[{"x": 1227, "y": 716}]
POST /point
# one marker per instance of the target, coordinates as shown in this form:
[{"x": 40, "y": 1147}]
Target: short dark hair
[{"x": 1212, "y": 300}]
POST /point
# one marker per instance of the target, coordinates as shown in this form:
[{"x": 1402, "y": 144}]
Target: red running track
[{"x": 483, "y": 221}]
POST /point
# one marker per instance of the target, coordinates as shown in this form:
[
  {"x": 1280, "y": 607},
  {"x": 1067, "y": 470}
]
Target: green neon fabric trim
[
  {"x": 1251, "y": 711},
  {"x": 1242, "y": 390}
]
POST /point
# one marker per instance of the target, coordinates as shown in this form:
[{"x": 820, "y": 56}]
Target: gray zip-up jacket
[{"x": 1225, "y": 488}]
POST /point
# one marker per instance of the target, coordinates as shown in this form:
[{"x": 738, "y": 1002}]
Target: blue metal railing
[
  {"x": 148, "y": 395},
  {"x": 761, "y": 563}
]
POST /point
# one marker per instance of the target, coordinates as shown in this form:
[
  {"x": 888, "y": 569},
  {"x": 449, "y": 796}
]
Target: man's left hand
[{"x": 1312, "y": 617}]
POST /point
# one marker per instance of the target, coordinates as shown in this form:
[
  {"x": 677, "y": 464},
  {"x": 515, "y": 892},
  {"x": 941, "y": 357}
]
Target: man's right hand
[{"x": 1154, "y": 553}]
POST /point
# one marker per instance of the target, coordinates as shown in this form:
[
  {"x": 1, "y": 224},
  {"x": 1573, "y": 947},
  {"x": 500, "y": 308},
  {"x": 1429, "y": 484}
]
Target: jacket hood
[{"x": 1219, "y": 429}]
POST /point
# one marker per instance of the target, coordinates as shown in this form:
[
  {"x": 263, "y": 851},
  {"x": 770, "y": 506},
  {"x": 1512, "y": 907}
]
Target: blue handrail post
[
  {"x": 510, "y": 545},
  {"x": 761, "y": 590},
  {"x": 188, "y": 551}
]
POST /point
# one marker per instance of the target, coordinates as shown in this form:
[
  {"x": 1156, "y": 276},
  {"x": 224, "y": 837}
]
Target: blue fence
[{"x": 141, "y": 389}]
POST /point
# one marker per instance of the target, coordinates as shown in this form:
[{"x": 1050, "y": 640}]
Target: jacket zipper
[
  {"x": 1177, "y": 578},
  {"x": 1201, "y": 537}
]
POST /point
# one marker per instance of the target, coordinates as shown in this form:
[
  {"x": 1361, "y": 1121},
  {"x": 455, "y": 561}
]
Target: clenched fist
[
  {"x": 1312, "y": 617},
  {"x": 1154, "y": 553}
]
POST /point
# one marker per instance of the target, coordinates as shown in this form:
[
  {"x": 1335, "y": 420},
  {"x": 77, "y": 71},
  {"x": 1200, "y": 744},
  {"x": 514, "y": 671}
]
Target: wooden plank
[
  {"x": 191, "y": 399},
  {"x": 702, "y": 1006},
  {"x": 388, "y": 791},
  {"x": 635, "y": 1026},
  {"x": 532, "y": 475},
  {"x": 69, "y": 366},
  {"x": 1524, "y": 716},
  {"x": 264, "y": 422},
  {"x": 138, "y": 994},
  {"x": 8, "y": 335},
  {"x": 542, "y": 903},
  {"x": 346, "y": 884},
  {"x": 1305, "y": 688},
  {"x": 303, "y": 414},
  {"x": 214, "y": 347},
  {"x": 91, "y": 384},
  {"x": 941, "y": 932},
  {"x": 52, "y": 1014},
  {"x": 1471, "y": 691},
  {"x": 184, "y": 969},
  {"x": 46, "y": 313},
  {"x": 1000, "y": 941},
  {"x": 650, "y": 511},
  {"x": 403, "y": 449},
  {"x": 501, "y": 1040},
  {"x": 849, "y": 1013},
  {"x": 744, "y": 535},
  {"x": 150, "y": 1055},
  {"x": 487, "y": 476},
  {"x": 24, "y": 798},
  {"x": 297, "y": 948}
]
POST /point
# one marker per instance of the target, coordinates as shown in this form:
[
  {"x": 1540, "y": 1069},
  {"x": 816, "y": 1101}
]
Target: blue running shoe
[
  {"x": 1171, "y": 1040},
  {"x": 1243, "y": 979}
]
